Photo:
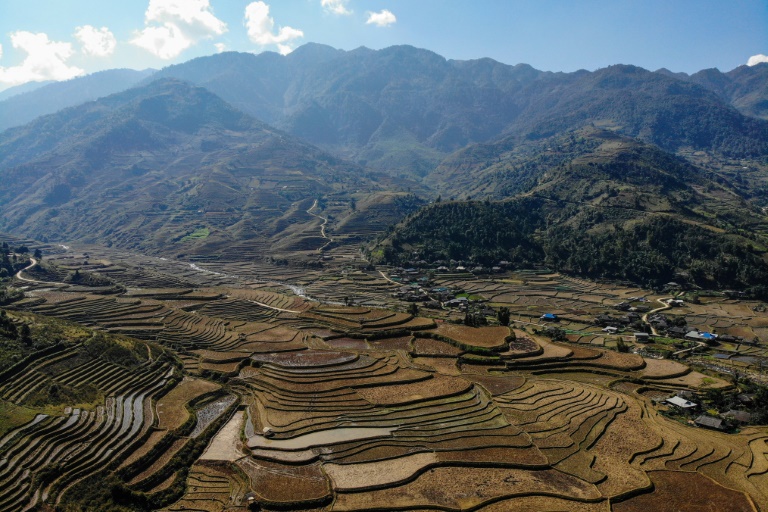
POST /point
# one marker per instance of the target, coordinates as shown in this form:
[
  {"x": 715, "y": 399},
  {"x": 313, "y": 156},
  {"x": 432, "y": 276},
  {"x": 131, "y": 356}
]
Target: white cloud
[
  {"x": 1, "y": 51},
  {"x": 99, "y": 42},
  {"x": 166, "y": 42},
  {"x": 45, "y": 60},
  {"x": 757, "y": 59},
  {"x": 381, "y": 19},
  {"x": 260, "y": 28},
  {"x": 284, "y": 49},
  {"x": 336, "y": 6},
  {"x": 175, "y": 25},
  {"x": 220, "y": 47}
]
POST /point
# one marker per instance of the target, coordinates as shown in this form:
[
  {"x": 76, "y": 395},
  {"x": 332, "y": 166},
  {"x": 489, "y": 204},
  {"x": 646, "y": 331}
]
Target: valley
[
  {"x": 232, "y": 392},
  {"x": 384, "y": 280}
]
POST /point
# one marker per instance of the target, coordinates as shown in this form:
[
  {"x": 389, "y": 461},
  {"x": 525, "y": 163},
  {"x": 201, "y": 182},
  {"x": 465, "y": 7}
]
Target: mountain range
[
  {"x": 403, "y": 109},
  {"x": 246, "y": 150}
]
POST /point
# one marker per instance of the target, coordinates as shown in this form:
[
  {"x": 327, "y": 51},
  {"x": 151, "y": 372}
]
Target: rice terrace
[{"x": 214, "y": 386}]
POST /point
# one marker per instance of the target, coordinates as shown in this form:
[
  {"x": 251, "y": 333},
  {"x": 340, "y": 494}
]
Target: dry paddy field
[{"x": 277, "y": 401}]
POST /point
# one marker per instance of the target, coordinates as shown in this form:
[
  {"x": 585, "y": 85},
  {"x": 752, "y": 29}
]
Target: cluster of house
[
  {"x": 616, "y": 323},
  {"x": 683, "y": 401},
  {"x": 417, "y": 288},
  {"x": 661, "y": 323},
  {"x": 627, "y": 305},
  {"x": 474, "y": 269},
  {"x": 457, "y": 266}
]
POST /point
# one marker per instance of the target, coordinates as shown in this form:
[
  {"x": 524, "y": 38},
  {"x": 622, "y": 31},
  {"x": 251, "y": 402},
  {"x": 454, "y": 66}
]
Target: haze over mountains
[{"x": 188, "y": 151}]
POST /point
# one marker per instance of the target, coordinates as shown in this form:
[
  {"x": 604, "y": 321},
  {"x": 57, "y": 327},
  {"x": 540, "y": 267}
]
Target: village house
[
  {"x": 677, "y": 332},
  {"x": 742, "y": 417},
  {"x": 681, "y": 403},
  {"x": 706, "y": 337},
  {"x": 710, "y": 422},
  {"x": 642, "y": 337}
]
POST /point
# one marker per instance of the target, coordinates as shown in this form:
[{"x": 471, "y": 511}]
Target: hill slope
[
  {"x": 599, "y": 206},
  {"x": 167, "y": 166},
  {"x": 47, "y": 99}
]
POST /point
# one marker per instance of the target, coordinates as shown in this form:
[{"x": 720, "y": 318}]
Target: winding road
[
  {"x": 20, "y": 277},
  {"x": 664, "y": 307},
  {"x": 322, "y": 226}
]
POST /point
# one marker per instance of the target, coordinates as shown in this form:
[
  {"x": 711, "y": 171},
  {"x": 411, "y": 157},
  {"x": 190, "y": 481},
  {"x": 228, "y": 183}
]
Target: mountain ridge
[{"x": 403, "y": 109}]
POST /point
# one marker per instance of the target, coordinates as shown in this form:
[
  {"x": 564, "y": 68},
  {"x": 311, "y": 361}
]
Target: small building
[
  {"x": 454, "y": 303},
  {"x": 705, "y": 421},
  {"x": 681, "y": 403},
  {"x": 677, "y": 332},
  {"x": 676, "y": 303},
  {"x": 642, "y": 337},
  {"x": 611, "y": 329},
  {"x": 739, "y": 416},
  {"x": 550, "y": 317},
  {"x": 706, "y": 337}
]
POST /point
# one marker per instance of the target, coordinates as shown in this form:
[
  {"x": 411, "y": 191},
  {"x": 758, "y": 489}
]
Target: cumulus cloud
[
  {"x": 261, "y": 26},
  {"x": 220, "y": 47},
  {"x": 336, "y": 6},
  {"x": 99, "y": 42},
  {"x": 45, "y": 60},
  {"x": 384, "y": 18},
  {"x": 175, "y": 25},
  {"x": 757, "y": 59}
]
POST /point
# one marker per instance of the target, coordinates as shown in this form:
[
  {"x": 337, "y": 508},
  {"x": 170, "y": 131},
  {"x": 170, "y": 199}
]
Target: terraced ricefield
[
  {"x": 277, "y": 401},
  {"x": 492, "y": 338},
  {"x": 77, "y": 442}
]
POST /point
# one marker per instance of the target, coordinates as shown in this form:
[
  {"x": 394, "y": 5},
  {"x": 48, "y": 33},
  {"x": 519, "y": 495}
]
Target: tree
[
  {"x": 503, "y": 315},
  {"x": 26, "y": 334},
  {"x": 413, "y": 309},
  {"x": 38, "y": 254}
]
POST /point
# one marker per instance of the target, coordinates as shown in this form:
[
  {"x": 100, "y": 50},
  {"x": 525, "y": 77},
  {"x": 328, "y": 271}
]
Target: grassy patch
[
  {"x": 470, "y": 296},
  {"x": 198, "y": 234},
  {"x": 12, "y": 416}
]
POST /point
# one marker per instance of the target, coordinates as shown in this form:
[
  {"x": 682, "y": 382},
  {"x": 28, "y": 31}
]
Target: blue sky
[{"x": 59, "y": 39}]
